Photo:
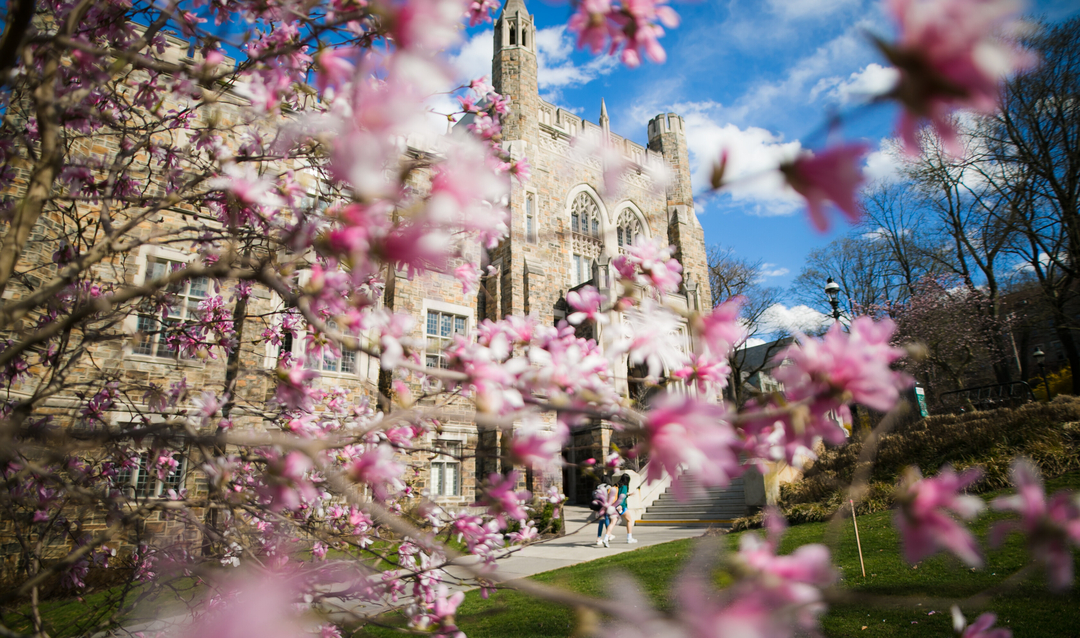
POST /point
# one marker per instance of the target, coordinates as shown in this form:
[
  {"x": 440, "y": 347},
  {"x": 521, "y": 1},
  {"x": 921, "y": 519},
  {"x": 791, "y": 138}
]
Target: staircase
[{"x": 710, "y": 506}]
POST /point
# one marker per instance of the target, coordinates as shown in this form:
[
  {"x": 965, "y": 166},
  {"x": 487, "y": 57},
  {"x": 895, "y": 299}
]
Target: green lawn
[{"x": 1028, "y": 610}]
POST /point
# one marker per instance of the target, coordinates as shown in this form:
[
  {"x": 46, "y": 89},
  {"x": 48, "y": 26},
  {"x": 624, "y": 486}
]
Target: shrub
[{"x": 1047, "y": 433}]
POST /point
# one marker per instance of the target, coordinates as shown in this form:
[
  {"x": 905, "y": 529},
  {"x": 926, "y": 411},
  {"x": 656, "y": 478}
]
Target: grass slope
[{"x": 1029, "y": 610}]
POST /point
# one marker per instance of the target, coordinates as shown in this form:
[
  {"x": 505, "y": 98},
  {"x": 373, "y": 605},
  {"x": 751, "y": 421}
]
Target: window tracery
[{"x": 628, "y": 229}]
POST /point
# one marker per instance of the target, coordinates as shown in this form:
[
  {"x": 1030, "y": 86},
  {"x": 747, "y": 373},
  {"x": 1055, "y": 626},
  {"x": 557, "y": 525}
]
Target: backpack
[{"x": 599, "y": 494}]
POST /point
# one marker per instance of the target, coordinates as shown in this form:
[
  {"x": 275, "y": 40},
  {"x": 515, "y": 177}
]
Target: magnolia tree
[{"x": 275, "y": 146}]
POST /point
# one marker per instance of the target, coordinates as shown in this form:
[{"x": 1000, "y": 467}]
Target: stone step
[{"x": 726, "y": 496}]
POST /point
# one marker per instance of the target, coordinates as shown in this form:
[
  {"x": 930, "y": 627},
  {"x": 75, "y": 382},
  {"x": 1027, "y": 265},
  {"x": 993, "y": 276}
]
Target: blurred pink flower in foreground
[
  {"x": 250, "y": 605},
  {"x": 683, "y": 431},
  {"x": 1050, "y": 526},
  {"x": 335, "y": 67},
  {"x": 925, "y": 525},
  {"x": 981, "y": 628},
  {"x": 831, "y": 175},
  {"x": 502, "y": 501},
  {"x": 952, "y": 54},
  {"x": 631, "y": 25},
  {"x": 845, "y": 367},
  {"x": 722, "y": 330}
]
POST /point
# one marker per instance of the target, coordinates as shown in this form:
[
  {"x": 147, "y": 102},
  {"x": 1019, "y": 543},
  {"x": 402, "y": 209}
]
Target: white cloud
[
  {"x": 884, "y": 164},
  {"x": 753, "y": 155},
  {"x": 473, "y": 59},
  {"x": 556, "y": 69},
  {"x": 859, "y": 87},
  {"x": 771, "y": 270},
  {"x": 801, "y": 77},
  {"x": 779, "y": 318}
]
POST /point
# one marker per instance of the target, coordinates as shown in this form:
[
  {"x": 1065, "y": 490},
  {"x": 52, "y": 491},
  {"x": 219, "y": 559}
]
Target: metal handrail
[{"x": 985, "y": 394}]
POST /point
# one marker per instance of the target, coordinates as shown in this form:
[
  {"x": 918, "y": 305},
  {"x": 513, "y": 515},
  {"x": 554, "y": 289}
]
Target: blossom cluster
[{"x": 311, "y": 189}]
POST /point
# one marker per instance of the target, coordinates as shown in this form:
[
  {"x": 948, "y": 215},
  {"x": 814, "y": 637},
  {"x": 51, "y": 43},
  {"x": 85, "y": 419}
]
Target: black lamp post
[
  {"x": 832, "y": 291},
  {"x": 1040, "y": 356}
]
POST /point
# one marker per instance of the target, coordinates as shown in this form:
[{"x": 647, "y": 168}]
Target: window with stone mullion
[
  {"x": 585, "y": 216},
  {"x": 440, "y": 329},
  {"x": 186, "y": 298}
]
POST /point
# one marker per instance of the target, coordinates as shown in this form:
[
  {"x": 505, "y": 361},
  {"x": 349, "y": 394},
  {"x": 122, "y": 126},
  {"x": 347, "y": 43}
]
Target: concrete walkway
[{"x": 579, "y": 544}]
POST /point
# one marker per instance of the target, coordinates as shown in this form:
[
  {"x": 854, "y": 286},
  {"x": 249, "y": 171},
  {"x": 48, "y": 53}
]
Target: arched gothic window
[
  {"x": 628, "y": 228},
  {"x": 587, "y": 242},
  {"x": 585, "y": 216}
]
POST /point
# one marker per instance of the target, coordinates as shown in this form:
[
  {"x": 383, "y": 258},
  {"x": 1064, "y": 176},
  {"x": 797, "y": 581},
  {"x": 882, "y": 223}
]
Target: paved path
[
  {"x": 577, "y": 546},
  {"x": 580, "y": 546}
]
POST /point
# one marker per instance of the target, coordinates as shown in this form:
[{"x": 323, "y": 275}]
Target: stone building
[
  {"x": 566, "y": 227},
  {"x": 565, "y": 230}
]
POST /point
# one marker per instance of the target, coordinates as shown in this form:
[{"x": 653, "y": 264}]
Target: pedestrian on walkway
[
  {"x": 604, "y": 501},
  {"x": 629, "y": 504}
]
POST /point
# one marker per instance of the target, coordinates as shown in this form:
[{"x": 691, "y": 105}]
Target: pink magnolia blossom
[
  {"x": 586, "y": 303},
  {"x": 480, "y": 11},
  {"x": 286, "y": 481},
  {"x": 592, "y": 25},
  {"x": 468, "y": 276},
  {"x": 520, "y": 169},
  {"x": 641, "y": 31},
  {"x": 832, "y": 175},
  {"x": 251, "y": 604},
  {"x": 708, "y": 373},
  {"x": 501, "y": 500},
  {"x": 981, "y": 628},
  {"x": 528, "y": 532},
  {"x": 650, "y": 263},
  {"x": 684, "y": 431},
  {"x": 292, "y": 389},
  {"x": 1050, "y": 526},
  {"x": 653, "y": 338},
  {"x": 208, "y": 404},
  {"x": 721, "y": 329},
  {"x": 334, "y": 67},
  {"x": 442, "y": 612},
  {"x": 845, "y": 367},
  {"x": 952, "y": 54},
  {"x": 925, "y": 517},
  {"x": 536, "y": 447},
  {"x": 377, "y": 469}
]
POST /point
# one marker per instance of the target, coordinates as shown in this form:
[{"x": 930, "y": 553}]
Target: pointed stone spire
[
  {"x": 605, "y": 123},
  {"x": 514, "y": 6}
]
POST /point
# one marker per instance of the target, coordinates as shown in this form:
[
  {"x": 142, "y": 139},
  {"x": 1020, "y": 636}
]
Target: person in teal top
[{"x": 621, "y": 507}]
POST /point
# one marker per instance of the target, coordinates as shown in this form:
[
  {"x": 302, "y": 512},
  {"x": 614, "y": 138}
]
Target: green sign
[{"x": 920, "y": 396}]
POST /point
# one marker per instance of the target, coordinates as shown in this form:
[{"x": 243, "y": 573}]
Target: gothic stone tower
[{"x": 566, "y": 228}]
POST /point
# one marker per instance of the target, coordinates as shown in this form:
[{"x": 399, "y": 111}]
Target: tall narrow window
[
  {"x": 446, "y": 470},
  {"x": 186, "y": 296},
  {"x": 141, "y": 480},
  {"x": 325, "y": 358},
  {"x": 585, "y": 216},
  {"x": 628, "y": 228},
  {"x": 440, "y": 329},
  {"x": 530, "y": 218},
  {"x": 513, "y": 34},
  {"x": 581, "y": 270}
]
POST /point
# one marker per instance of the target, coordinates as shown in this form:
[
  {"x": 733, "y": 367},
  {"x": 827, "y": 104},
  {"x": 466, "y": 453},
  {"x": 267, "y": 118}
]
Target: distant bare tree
[
  {"x": 1033, "y": 162},
  {"x": 733, "y": 276}
]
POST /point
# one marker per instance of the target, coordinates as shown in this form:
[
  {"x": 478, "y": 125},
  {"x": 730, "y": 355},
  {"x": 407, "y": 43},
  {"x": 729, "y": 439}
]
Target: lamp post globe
[
  {"x": 832, "y": 291},
  {"x": 1040, "y": 357}
]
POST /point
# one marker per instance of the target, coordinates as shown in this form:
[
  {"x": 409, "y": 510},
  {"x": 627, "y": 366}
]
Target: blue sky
[{"x": 758, "y": 77}]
